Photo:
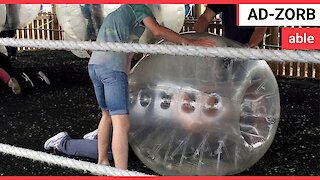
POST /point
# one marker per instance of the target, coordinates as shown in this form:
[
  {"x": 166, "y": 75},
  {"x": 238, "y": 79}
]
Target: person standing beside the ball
[
  {"x": 108, "y": 72},
  {"x": 250, "y": 36}
]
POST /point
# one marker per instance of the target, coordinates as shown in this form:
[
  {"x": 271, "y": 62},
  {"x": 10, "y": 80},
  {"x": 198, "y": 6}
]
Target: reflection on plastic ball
[
  {"x": 165, "y": 101},
  {"x": 187, "y": 103},
  {"x": 202, "y": 116},
  {"x": 211, "y": 105},
  {"x": 17, "y": 15},
  {"x": 144, "y": 99}
]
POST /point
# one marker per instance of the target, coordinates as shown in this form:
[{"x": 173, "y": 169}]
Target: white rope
[
  {"x": 223, "y": 52},
  {"x": 66, "y": 162}
]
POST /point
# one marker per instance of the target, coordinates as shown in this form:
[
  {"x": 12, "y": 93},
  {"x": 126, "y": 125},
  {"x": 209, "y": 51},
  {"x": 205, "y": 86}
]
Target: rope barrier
[
  {"x": 222, "y": 52},
  {"x": 217, "y": 52},
  {"x": 67, "y": 162}
]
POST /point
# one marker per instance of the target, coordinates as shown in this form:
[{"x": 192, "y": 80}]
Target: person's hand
[{"x": 202, "y": 42}]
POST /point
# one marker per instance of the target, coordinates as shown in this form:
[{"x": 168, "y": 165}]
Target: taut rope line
[
  {"x": 223, "y": 52},
  {"x": 66, "y": 162}
]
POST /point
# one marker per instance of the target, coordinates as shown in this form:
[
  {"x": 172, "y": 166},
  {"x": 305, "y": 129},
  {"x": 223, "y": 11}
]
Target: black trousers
[{"x": 6, "y": 64}]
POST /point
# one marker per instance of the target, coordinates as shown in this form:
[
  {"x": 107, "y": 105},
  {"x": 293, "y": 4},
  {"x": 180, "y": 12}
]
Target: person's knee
[
  {"x": 126, "y": 126},
  {"x": 106, "y": 117},
  {"x": 105, "y": 114},
  {"x": 121, "y": 121}
]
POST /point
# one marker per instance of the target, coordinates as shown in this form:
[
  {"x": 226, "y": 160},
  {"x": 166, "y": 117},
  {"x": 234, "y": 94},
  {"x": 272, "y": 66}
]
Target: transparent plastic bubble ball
[
  {"x": 202, "y": 116},
  {"x": 15, "y": 16}
]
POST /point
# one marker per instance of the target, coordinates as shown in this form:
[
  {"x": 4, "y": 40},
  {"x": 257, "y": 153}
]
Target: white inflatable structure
[
  {"x": 14, "y": 16},
  {"x": 2, "y": 15},
  {"x": 74, "y": 20}
]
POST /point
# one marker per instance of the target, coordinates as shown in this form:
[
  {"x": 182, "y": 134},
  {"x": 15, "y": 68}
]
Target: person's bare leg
[
  {"x": 120, "y": 146},
  {"x": 103, "y": 138}
]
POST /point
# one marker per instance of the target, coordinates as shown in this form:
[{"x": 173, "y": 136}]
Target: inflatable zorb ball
[
  {"x": 2, "y": 15},
  {"x": 15, "y": 16},
  {"x": 82, "y": 21},
  {"x": 2, "y": 22},
  {"x": 78, "y": 53},
  {"x": 202, "y": 116}
]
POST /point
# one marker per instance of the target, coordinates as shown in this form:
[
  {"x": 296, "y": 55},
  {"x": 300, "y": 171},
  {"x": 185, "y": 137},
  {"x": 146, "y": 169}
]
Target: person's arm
[
  {"x": 169, "y": 35},
  {"x": 204, "y": 20},
  {"x": 256, "y": 37}
]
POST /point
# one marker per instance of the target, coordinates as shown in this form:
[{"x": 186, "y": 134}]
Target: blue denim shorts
[{"x": 111, "y": 89}]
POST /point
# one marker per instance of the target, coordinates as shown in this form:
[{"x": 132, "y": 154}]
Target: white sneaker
[
  {"x": 13, "y": 83},
  {"x": 54, "y": 141},
  {"x": 91, "y": 135}
]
